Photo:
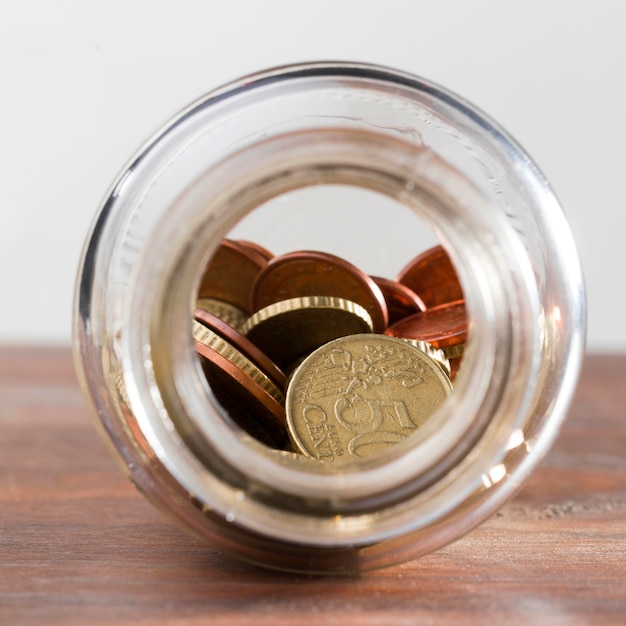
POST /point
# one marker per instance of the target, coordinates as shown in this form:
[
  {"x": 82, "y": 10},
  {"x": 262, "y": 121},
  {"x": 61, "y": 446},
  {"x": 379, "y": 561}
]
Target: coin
[
  {"x": 455, "y": 363},
  {"x": 227, "y": 312},
  {"x": 248, "y": 396},
  {"x": 255, "y": 247},
  {"x": 310, "y": 273},
  {"x": 289, "y": 329},
  {"x": 454, "y": 354},
  {"x": 401, "y": 301},
  {"x": 443, "y": 326},
  {"x": 287, "y": 458},
  {"x": 454, "y": 351},
  {"x": 432, "y": 276},
  {"x": 230, "y": 274},
  {"x": 224, "y": 348},
  {"x": 434, "y": 353},
  {"x": 357, "y": 396},
  {"x": 243, "y": 345}
]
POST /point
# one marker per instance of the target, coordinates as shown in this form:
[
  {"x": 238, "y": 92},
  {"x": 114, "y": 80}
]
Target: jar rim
[{"x": 392, "y": 478}]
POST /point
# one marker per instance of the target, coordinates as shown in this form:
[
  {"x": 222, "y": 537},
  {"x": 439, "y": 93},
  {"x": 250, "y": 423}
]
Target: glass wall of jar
[{"x": 375, "y": 168}]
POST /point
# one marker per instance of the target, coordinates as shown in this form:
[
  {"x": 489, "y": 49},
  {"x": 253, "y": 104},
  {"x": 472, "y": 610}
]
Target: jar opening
[{"x": 306, "y": 269}]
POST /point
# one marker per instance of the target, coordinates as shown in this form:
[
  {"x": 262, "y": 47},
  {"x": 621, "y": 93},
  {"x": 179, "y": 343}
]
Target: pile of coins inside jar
[{"x": 308, "y": 354}]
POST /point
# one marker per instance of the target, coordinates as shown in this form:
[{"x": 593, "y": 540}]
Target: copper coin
[
  {"x": 432, "y": 276},
  {"x": 247, "y": 403},
  {"x": 310, "y": 273},
  {"x": 442, "y": 326},
  {"x": 254, "y": 247},
  {"x": 230, "y": 274},
  {"x": 401, "y": 301},
  {"x": 244, "y": 345},
  {"x": 290, "y": 329},
  {"x": 455, "y": 363}
]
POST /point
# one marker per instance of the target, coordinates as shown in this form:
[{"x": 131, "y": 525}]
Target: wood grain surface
[{"x": 79, "y": 545}]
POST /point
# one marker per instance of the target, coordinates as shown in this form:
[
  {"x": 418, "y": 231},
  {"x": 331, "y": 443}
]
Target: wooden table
[{"x": 79, "y": 545}]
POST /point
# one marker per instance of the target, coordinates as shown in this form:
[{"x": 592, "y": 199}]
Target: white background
[{"x": 84, "y": 84}]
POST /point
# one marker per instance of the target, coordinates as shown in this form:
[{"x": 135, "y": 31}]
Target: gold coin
[
  {"x": 120, "y": 385},
  {"x": 213, "y": 341},
  {"x": 245, "y": 393},
  {"x": 356, "y": 396},
  {"x": 290, "y": 329},
  {"x": 434, "y": 353},
  {"x": 454, "y": 352},
  {"x": 228, "y": 313}
]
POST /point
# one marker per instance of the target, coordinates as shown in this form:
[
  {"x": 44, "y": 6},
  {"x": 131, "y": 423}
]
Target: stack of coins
[{"x": 308, "y": 353}]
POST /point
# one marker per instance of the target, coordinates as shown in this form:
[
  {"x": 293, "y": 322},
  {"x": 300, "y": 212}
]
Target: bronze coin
[
  {"x": 442, "y": 326},
  {"x": 310, "y": 273},
  {"x": 401, "y": 301},
  {"x": 254, "y": 247},
  {"x": 247, "y": 403},
  {"x": 290, "y": 329},
  {"x": 432, "y": 276},
  {"x": 230, "y": 274},
  {"x": 455, "y": 363},
  {"x": 244, "y": 345}
]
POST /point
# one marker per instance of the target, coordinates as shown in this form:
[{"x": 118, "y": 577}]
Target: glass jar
[{"x": 412, "y": 158}]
